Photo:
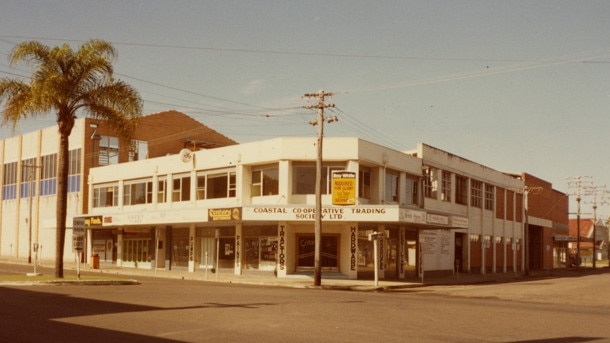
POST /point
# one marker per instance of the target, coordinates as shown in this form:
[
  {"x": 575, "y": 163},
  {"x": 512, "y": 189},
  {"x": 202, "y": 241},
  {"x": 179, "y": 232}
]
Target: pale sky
[{"x": 513, "y": 85}]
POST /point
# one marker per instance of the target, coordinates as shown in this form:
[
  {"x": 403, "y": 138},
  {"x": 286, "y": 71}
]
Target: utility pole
[
  {"x": 321, "y": 105},
  {"x": 29, "y": 167},
  {"x": 577, "y": 182},
  {"x": 595, "y": 191}
]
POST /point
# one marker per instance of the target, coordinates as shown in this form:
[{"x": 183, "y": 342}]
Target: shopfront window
[
  {"x": 136, "y": 250},
  {"x": 329, "y": 252},
  {"x": 260, "y": 247}
]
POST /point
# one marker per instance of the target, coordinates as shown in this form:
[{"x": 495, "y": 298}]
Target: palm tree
[{"x": 68, "y": 83}]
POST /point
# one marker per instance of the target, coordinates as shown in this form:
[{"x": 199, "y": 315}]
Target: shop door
[
  {"x": 411, "y": 254},
  {"x": 103, "y": 249},
  {"x": 208, "y": 253},
  {"x": 391, "y": 271},
  {"x": 329, "y": 253}
]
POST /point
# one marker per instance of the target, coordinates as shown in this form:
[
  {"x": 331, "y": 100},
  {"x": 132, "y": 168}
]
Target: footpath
[{"x": 329, "y": 280}]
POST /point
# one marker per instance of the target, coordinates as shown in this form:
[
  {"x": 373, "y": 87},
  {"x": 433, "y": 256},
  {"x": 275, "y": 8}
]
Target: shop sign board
[
  {"x": 339, "y": 213},
  {"x": 78, "y": 234},
  {"x": 343, "y": 188},
  {"x": 224, "y": 214}
]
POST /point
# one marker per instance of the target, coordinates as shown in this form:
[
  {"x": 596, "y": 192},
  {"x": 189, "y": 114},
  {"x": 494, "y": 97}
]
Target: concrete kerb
[
  {"x": 306, "y": 281},
  {"x": 71, "y": 282}
]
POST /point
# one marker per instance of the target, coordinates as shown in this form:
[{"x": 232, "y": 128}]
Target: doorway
[{"x": 208, "y": 253}]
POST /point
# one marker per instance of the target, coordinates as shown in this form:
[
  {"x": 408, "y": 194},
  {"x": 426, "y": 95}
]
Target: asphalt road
[{"x": 170, "y": 310}]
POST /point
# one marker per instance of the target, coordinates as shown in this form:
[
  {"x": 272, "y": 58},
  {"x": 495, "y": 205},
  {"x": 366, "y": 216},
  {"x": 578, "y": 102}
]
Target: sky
[{"x": 518, "y": 86}]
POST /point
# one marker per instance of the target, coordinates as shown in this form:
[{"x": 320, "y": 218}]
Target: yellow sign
[
  {"x": 224, "y": 214},
  {"x": 344, "y": 188}
]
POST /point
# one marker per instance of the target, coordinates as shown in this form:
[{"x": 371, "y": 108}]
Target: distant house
[{"x": 586, "y": 239}]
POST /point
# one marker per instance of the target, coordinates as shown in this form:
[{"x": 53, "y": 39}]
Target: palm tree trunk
[{"x": 62, "y": 202}]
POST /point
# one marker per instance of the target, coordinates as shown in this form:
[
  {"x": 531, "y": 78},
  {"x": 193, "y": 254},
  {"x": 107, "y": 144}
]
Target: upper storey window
[
  {"x": 431, "y": 182},
  {"x": 265, "y": 180},
  {"x": 304, "y": 178}
]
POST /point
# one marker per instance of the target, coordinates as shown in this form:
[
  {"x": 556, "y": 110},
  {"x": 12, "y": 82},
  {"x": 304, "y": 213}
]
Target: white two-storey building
[{"x": 252, "y": 207}]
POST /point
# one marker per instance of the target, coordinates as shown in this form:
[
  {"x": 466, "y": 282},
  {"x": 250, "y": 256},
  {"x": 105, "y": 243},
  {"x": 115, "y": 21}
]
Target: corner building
[{"x": 251, "y": 207}]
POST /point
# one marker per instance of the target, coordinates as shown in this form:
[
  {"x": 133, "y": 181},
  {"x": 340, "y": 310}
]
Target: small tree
[{"x": 67, "y": 83}]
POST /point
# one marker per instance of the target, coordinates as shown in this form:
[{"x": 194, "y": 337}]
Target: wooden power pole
[{"x": 321, "y": 105}]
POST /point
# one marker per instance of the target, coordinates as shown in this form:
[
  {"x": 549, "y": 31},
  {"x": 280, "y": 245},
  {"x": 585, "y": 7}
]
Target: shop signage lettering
[
  {"x": 368, "y": 210},
  {"x": 343, "y": 188},
  {"x": 353, "y": 243},
  {"x": 307, "y": 213},
  {"x": 191, "y": 248},
  {"x": 270, "y": 210},
  {"x": 135, "y": 218},
  {"x": 306, "y": 243},
  {"x": 224, "y": 214},
  {"x": 78, "y": 243},
  {"x": 282, "y": 248},
  {"x": 86, "y": 222},
  {"x": 237, "y": 250},
  {"x": 437, "y": 219},
  {"x": 381, "y": 254},
  {"x": 460, "y": 222}
]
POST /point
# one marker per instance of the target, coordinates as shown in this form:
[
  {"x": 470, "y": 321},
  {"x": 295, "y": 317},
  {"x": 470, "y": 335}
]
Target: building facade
[
  {"x": 181, "y": 196},
  {"x": 251, "y": 207},
  {"x": 29, "y": 162}
]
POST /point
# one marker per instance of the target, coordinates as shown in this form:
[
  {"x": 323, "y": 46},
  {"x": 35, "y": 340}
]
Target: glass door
[{"x": 208, "y": 253}]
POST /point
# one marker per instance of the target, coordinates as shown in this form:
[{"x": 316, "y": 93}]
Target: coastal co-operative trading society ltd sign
[{"x": 300, "y": 213}]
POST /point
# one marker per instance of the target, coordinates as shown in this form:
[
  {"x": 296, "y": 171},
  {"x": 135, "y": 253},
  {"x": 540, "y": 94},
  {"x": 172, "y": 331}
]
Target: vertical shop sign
[
  {"x": 237, "y": 250},
  {"x": 353, "y": 244},
  {"x": 282, "y": 248}
]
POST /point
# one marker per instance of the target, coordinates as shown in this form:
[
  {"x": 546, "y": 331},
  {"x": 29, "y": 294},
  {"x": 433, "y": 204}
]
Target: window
[
  {"x": 108, "y": 151},
  {"x": 136, "y": 250},
  {"x": 391, "y": 186},
  {"x": 265, "y": 181},
  {"x": 162, "y": 190},
  {"x": 9, "y": 181},
  {"x": 74, "y": 161},
  {"x": 181, "y": 190},
  {"x": 461, "y": 190},
  {"x": 364, "y": 183},
  {"x": 217, "y": 185},
  {"x": 489, "y": 197},
  {"x": 476, "y": 193},
  {"x": 137, "y": 192},
  {"x": 431, "y": 182},
  {"x": 201, "y": 182},
  {"x": 138, "y": 150},
  {"x": 48, "y": 175},
  {"x": 304, "y": 178},
  {"x": 446, "y": 186},
  {"x": 221, "y": 185},
  {"x": 105, "y": 195},
  {"x": 411, "y": 196}
]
